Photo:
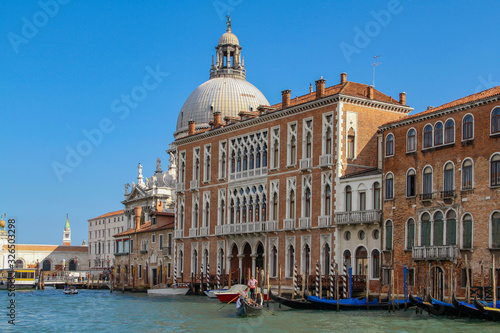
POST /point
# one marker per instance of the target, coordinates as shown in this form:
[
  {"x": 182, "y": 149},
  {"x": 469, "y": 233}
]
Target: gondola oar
[
  {"x": 229, "y": 302},
  {"x": 251, "y": 301}
]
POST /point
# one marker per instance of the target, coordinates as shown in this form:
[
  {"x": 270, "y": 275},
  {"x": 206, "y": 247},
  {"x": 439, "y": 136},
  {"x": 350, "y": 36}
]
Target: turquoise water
[{"x": 101, "y": 311}]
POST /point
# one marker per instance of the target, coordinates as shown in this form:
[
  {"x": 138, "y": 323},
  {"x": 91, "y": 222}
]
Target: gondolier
[{"x": 252, "y": 283}]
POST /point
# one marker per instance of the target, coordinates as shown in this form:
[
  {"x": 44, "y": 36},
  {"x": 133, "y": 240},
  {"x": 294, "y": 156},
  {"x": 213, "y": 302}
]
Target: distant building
[
  {"x": 67, "y": 233},
  {"x": 101, "y": 241}
]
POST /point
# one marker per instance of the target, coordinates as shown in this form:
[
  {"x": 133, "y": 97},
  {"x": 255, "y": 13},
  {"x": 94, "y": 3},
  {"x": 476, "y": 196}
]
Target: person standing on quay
[{"x": 252, "y": 284}]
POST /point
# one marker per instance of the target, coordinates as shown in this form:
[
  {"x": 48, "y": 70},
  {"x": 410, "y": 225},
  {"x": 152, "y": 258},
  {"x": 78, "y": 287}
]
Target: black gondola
[
  {"x": 469, "y": 310},
  {"x": 492, "y": 313},
  {"x": 301, "y": 304},
  {"x": 425, "y": 305},
  {"x": 249, "y": 308},
  {"x": 358, "y": 304},
  {"x": 443, "y": 308}
]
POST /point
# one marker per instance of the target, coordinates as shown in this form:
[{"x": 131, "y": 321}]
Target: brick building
[
  {"x": 260, "y": 184},
  {"x": 442, "y": 193}
]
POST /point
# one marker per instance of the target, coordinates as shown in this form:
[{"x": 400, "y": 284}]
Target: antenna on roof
[{"x": 375, "y": 64}]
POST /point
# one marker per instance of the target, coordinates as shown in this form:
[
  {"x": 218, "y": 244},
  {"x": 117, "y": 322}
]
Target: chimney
[
  {"x": 191, "y": 127},
  {"x": 285, "y": 98},
  {"x": 217, "y": 119},
  {"x": 138, "y": 212},
  {"x": 402, "y": 98},
  {"x": 320, "y": 88},
  {"x": 370, "y": 92},
  {"x": 343, "y": 78},
  {"x": 430, "y": 107}
]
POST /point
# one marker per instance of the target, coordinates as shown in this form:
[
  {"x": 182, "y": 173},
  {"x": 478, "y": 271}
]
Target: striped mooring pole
[
  {"x": 175, "y": 274},
  {"x": 208, "y": 276},
  {"x": 317, "y": 279},
  {"x": 295, "y": 282},
  {"x": 218, "y": 276},
  {"x": 344, "y": 280},
  {"x": 331, "y": 280}
]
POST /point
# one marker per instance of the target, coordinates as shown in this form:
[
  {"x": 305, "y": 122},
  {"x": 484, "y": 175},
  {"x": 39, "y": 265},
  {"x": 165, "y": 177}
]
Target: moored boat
[
  {"x": 301, "y": 304},
  {"x": 231, "y": 294},
  {"x": 70, "y": 290},
  {"x": 17, "y": 278},
  {"x": 211, "y": 293},
  {"x": 492, "y": 313},
  {"x": 356, "y": 304},
  {"x": 468, "y": 309},
  {"x": 443, "y": 308},
  {"x": 172, "y": 290}
]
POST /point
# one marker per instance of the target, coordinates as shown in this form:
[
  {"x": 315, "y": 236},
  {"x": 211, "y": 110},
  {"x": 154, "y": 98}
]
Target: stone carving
[{"x": 126, "y": 188}]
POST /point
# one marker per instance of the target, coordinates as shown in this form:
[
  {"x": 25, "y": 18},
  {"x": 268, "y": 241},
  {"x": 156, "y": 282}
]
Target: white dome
[
  {"x": 229, "y": 38},
  {"x": 228, "y": 95}
]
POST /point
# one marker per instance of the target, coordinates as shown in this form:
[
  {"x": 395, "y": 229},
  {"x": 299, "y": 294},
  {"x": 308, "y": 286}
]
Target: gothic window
[
  {"x": 182, "y": 168},
  {"x": 467, "y": 174},
  {"x": 495, "y": 170},
  {"x": 376, "y": 196},
  {"x": 427, "y": 181},
  {"x": 257, "y": 210},
  {"x": 388, "y": 235},
  {"x": 495, "y": 230},
  {"x": 250, "y": 210},
  {"x": 438, "y": 229},
  {"x": 275, "y": 152},
  {"x": 257, "y": 158},
  {"x": 181, "y": 214},
  {"x": 238, "y": 162},
  {"x": 222, "y": 159},
  {"x": 206, "y": 218},
  {"x": 233, "y": 162},
  {"x": 291, "y": 261},
  {"x": 222, "y": 206},
  {"x": 449, "y": 177},
  {"x": 495, "y": 121},
  {"x": 244, "y": 210},
  {"x": 207, "y": 165},
  {"x": 307, "y": 138},
  {"x": 326, "y": 259},
  {"x": 264, "y": 156},
  {"x": 449, "y": 131},
  {"x": 411, "y": 140},
  {"x": 327, "y": 200},
  {"x": 410, "y": 234},
  {"x": 389, "y": 186},
  {"x": 292, "y": 144},
  {"x": 428, "y": 136},
  {"x": 425, "y": 230},
  {"x": 467, "y": 127},
  {"x": 195, "y": 214},
  {"x": 275, "y": 206},
  {"x": 438, "y": 134},
  {"x": 467, "y": 227},
  {"x": 348, "y": 198},
  {"x": 252, "y": 158},
  {"x": 327, "y": 133},
  {"x": 451, "y": 228},
  {"x": 196, "y": 164},
  {"x": 351, "y": 144},
  {"x": 274, "y": 262},
  {"x": 411, "y": 183},
  {"x": 375, "y": 264},
  {"x": 290, "y": 188},
  {"x": 232, "y": 212},
  {"x": 389, "y": 145},
  {"x": 245, "y": 160}
]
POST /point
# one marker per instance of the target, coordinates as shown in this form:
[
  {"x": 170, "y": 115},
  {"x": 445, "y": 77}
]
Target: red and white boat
[{"x": 232, "y": 293}]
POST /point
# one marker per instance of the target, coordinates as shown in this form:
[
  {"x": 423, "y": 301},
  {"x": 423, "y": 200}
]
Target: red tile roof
[
  {"x": 144, "y": 228},
  {"x": 48, "y": 248},
  {"x": 118, "y": 212}
]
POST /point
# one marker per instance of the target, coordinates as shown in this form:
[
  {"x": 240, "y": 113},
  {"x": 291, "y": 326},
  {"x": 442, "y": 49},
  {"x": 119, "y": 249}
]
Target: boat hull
[
  {"x": 168, "y": 291},
  {"x": 248, "y": 309},
  {"x": 292, "y": 303}
]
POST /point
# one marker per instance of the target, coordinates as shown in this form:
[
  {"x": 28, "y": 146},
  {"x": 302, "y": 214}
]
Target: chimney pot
[
  {"x": 320, "y": 88},
  {"x": 191, "y": 127},
  {"x": 285, "y": 98},
  {"x": 402, "y": 98},
  {"x": 343, "y": 78},
  {"x": 370, "y": 92},
  {"x": 217, "y": 116},
  {"x": 430, "y": 107}
]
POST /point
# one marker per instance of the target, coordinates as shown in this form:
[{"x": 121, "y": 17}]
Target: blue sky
[{"x": 63, "y": 68}]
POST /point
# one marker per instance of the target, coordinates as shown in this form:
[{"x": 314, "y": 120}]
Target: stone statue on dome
[
  {"x": 228, "y": 23},
  {"x": 126, "y": 188},
  {"x": 140, "y": 169},
  {"x": 158, "y": 164}
]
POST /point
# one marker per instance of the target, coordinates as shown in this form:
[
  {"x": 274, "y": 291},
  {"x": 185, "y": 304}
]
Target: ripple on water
[{"x": 99, "y": 310}]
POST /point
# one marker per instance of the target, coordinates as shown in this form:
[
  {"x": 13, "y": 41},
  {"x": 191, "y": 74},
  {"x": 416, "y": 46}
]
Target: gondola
[
  {"x": 492, "y": 313},
  {"x": 70, "y": 290},
  {"x": 356, "y": 304},
  {"x": 249, "y": 308},
  {"x": 424, "y": 305},
  {"x": 443, "y": 308},
  {"x": 301, "y": 304},
  {"x": 468, "y": 309}
]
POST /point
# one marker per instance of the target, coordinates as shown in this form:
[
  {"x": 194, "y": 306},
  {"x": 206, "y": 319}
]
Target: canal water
[{"x": 101, "y": 311}]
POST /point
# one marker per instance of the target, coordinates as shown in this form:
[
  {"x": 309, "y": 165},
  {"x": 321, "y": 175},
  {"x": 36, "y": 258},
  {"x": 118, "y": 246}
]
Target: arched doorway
[
  {"x": 347, "y": 259},
  {"x": 234, "y": 268},
  {"x": 72, "y": 265},
  {"x": 46, "y": 265},
  {"x": 247, "y": 261},
  {"x": 361, "y": 260},
  {"x": 437, "y": 283},
  {"x": 259, "y": 261}
]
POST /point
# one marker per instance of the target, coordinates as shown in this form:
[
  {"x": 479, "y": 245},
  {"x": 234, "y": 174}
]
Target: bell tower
[
  {"x": 67, "y": 233},
  {"x": 229, "y": 62}
]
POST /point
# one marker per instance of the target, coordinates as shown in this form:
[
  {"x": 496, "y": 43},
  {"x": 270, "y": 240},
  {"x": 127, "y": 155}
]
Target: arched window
[
  {"x": 427, "y": 185},
  {"x": 495, "y": 170},
  {"x": 410, "y": 234},
  {"x": 449, "y": 131},
  {"x": 376, "y": 196},
  {"x": 495, "y": 230},
  {"x": 222, "y": 212},
  {"x": 467, "y": 127},
  {"x": 467, "y": 228},
  {"x": 195, "y": 215},
  {"x": 438, "y": 229},
  {"x": 411, "y": 181},
  {"x": 245, "y": 160},
  {"x": 327, "y": 200},
  {"x": 326, "y": 259},
  {"x": 264, "y": 206},
  {"x": 251, "y": 159},
  {"x": 274, "y": 262},
  {"x": 264, "y": 157},
  {"x": 438, "y": 134},
  {"x": 238, "y": 162},
  {"x": 231, "y": 217},
  {"x": 389, "y": 145},
  {"x": 307, "y": 208},
  {"x": 451, "y": 228},
  {"x": 293, "y": 150},
  {"x": 449, "y": 177},
  {"x": 307, "y": 259},
  {"x": 389, "y": 186},
  {"x": 250, "y": 211},
  {"x": 46, "y": 265},
  {"x": 361, "y": 260},
  {"x": 181, "y": 218},
  {"x": 194, "y": 265},
  {"x": 207, "y": 214},
  {"x": 328, "y": 143},
  {"x": 467, "y": 175},
  {"x": 428, "y": 136},
  {"x": 348, "y": 199},
  {"x": 233, "y": 162},
  {"x": 244, "y": 210},
  {"x": 275, "y": 206},
  {"x": 276, "y": 154},
  {"x": 347, "y": 258},
  {"x": 238, "y": 213},
  {"x": 388, "y": 235},
  {"x": 308, "y": 145},
  {"x": 375, "y": 264},
  {"x": 495, "y": 120},
  {"x": 19, "y": 263},
  {"x": 425, "y": 230},
  {"x": 351, "y": 143},
  {"x": 257, "y": 210},
  {"x": 291, "y": 260},
  {"x": 291, "y": 212},
  {"x": 72, "y": 265},
  {"x": 411, "y": 140}
]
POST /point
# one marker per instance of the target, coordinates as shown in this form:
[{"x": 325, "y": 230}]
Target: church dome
[{"x": 227, "y": 91}]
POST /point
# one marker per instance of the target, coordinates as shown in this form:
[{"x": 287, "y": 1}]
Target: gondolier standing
[{"x": 252, "y": 283}]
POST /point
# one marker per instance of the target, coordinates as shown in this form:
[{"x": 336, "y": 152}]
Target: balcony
[
  {"x": 204, "y": 231},
  {"x": 219, "y": 230},
  {"x": 242, "y": 228},
  {"x": 325, "y": 221},
  {"x": 305, "y": 223},
  {"x": 193, "y": 232},
  {"x": 144, "y": 251},
  {"x": 358, "y": 217},
  {"x": 271, "y": 225},
  {"x": 448, "y": 194},
  {"x": 445, "y": 252},
  {"x": 326, "y": 161},
  {"x": 167, "y": 251},
  {"x": 179, "y": 187},
  {"x": 305, "y": 164},
  {"x": 426, "y": 196},
  {"x": 179, "y": 233},
  {"x": 194, "y": 184},
  {"x": 289, "y": 224}
]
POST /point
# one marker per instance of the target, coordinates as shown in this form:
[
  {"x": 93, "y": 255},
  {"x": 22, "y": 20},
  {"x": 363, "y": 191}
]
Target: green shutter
[
  {"x": 411, "y": 236},
  {"x": 451, "y": 232},
  {"x": 426, "y": 233},
  {"x": 438, "y": 232},
  {"x": 495, "y": 233},
  {"x": 467, "y": 237}
]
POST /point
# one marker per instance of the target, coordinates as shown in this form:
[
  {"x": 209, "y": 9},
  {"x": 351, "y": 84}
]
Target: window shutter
[{"x": 451, "y": 232}]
